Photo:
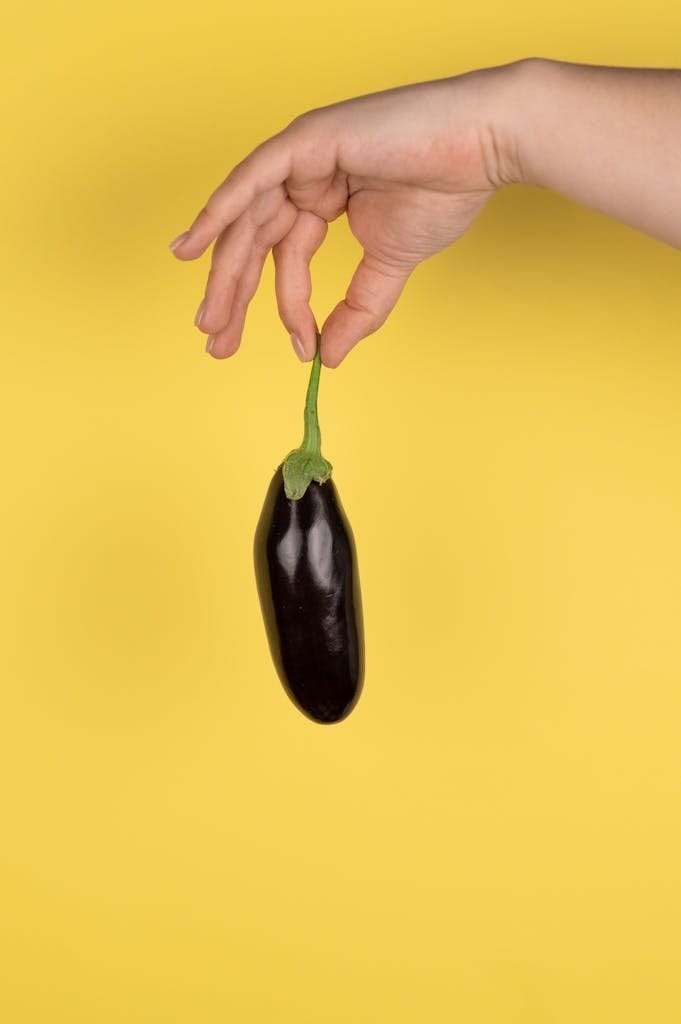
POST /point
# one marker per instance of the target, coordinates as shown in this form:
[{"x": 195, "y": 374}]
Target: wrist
[{"x": 516, "y": 91}]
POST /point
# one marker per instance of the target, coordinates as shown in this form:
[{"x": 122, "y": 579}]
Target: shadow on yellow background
[{"x": 493, "y": 836}]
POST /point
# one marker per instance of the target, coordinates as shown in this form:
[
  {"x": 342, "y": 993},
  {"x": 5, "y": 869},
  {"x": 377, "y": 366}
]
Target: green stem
[
  {"x": 312, "y": 437},
  {"x": 305, "y": 464}
]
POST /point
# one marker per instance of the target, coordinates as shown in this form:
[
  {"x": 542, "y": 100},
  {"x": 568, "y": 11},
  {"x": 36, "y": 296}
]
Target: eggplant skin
[{"x": 306, "y": 573}]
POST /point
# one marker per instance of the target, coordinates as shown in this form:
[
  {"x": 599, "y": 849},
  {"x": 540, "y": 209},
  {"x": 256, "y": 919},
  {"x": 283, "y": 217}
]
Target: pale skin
[{"x": 412, "y": 167}]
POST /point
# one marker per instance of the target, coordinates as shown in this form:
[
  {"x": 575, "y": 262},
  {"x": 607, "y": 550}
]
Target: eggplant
[{"x": 307, "y": 579}]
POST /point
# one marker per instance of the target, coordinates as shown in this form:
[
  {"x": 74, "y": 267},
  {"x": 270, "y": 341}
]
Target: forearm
[{"x": 608, "y": 138}]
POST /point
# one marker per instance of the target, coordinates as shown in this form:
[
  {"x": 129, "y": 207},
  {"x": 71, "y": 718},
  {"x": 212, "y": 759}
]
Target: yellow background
[{"x": 494, "y": 835}]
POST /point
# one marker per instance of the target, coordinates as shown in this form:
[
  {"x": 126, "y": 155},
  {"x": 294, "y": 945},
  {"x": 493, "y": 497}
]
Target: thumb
[{"x": 373, "y": 291}]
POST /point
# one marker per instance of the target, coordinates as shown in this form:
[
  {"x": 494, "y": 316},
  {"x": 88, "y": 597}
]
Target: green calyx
[{"x": 305, "y": 464}]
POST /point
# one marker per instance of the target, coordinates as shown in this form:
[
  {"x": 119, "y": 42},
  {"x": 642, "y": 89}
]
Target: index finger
[{"x": 267, "y": 166}]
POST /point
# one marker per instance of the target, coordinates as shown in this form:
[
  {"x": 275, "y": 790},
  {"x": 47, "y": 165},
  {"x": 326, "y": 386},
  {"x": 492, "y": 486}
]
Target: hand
[{"x": 411, "y": 167}]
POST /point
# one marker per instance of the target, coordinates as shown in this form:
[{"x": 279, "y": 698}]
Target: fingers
[
  {"x": 268, "y": 217},
  {"x": 226, "y": 340},
  {"x": 265, "y": 168},
  {"x": 293, "y": 283},
  {"x": 373, "y": 291},
  {"x": 231, "y": 254},
  {"x": 228, "y": 323}
]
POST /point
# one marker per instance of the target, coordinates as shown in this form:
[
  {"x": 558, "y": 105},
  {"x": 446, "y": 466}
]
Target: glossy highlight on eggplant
[{"x": 306, "y": 573}]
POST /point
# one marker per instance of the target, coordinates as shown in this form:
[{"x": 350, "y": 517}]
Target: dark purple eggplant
[{"x": 306, "y": 573}]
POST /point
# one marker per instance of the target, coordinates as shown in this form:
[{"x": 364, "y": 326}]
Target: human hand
[{"x": 411, "y": 167}]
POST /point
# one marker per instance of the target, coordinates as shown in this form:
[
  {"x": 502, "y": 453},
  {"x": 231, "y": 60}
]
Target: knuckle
[
  {"x": 363, "y": 301},
  {"x": 283, "y": 249},
  {"x": 371, "y": 320},
  {"x": 208, "y": 213},
  {"x": 302, "y": 121},
  {"x": 285, "y": 311}
]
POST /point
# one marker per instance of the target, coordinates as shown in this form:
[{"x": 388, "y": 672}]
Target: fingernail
[
  {"x": 178, "y": 241},
  {"x": 209, "y": 343},
  {"x": 199, "y": 313},
  {"x": 298, "y": 348}
]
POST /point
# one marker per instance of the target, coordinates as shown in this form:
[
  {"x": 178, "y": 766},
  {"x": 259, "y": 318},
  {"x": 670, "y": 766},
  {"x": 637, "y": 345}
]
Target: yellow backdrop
[{"x": 494, "y": 835}]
